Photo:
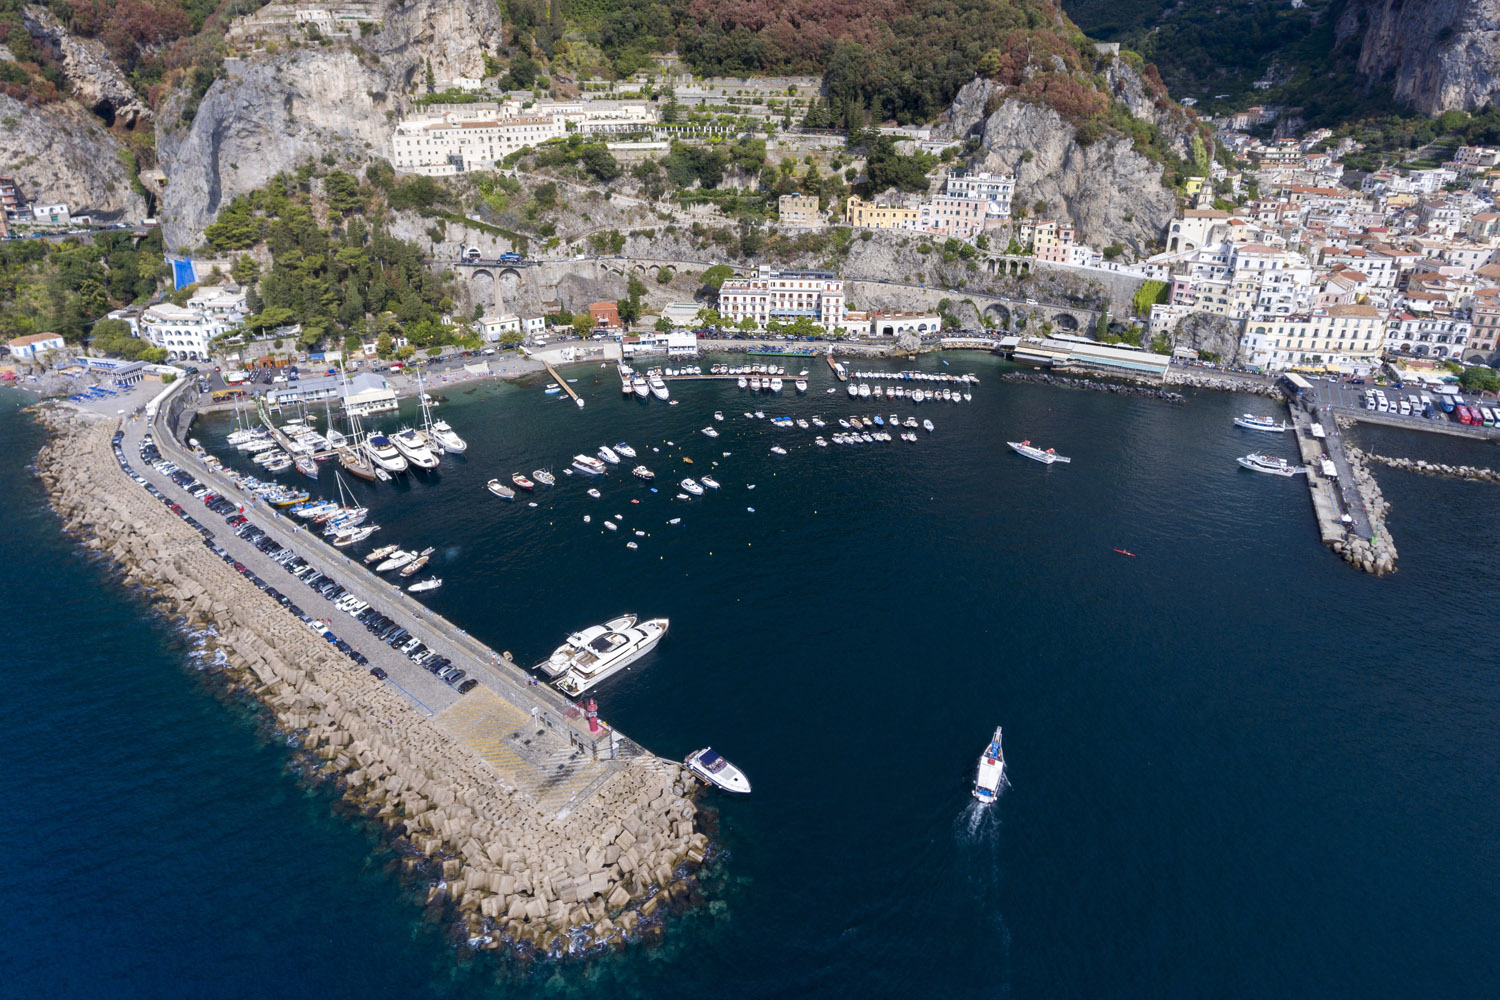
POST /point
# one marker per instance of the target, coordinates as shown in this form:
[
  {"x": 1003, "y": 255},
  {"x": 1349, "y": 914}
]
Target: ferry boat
[
  {"x": 641, "y": 472},
  {"x": 1027, "y": 449},
  {"x": 709, "y": 766},
  {"x": 588, "y": 464},
  {"x": 1251, "y": 422},
  {"x": 543, "y": 476},
  {"x": 522, "y": 481},
  {"x": 692, "y": 487},
  {"x": 607, "y": 453},
  {"x": 500, "y": 490},
  {"x": 1257, "y": 462},
  {"x": 991, "y": 771},
  {"x": 624, "y": 449},
  {"x": 432, "y": 584},
  {"x": 384, "y": 454},
  {"x": 447, "y": 439},
  {"x": 599, "y": 652}
]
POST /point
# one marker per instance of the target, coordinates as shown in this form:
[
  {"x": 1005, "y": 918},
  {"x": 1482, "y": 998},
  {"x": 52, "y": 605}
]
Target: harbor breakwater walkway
[{"x": 520, "y": 863}]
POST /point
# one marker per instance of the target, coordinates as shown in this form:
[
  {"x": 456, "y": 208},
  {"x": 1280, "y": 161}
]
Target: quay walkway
[
  {"x": 536, "y": 741},
  {"x": 563, "y": 382},
  {"x": 1337, "y": 497}
]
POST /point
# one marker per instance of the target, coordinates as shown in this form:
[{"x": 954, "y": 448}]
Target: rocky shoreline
[
  {"x": 1223, "y": 384},
  {"x": 511, "y": 876},
  {"x": 1145, "y": 391}
]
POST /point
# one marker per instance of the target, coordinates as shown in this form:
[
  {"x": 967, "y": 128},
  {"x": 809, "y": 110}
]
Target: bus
[
  {"x": 1298, "y": 384},
  {"x": 1464, "y": 416}
]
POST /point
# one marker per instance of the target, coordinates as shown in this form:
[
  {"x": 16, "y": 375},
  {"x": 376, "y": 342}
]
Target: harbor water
[{"x": 1237, "y": 767}]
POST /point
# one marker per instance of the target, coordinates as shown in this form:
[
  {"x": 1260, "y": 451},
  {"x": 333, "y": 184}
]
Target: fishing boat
[
  {"x": 544, "y": 477},
  {"x": 413, "y": 446},
  {"x": 381, "y": 553},
  {"x": 692, "y": 486},
  {"x": 395, "y": 560},
  {"x": 641, "y": 472},
  {"x": 991, "y": 773},
  {"x": 500, "y": 490},
  {"x": 709, "y": 766},
  {"x": 1257, "y": 462},
  {"x": 709, "y": 481},
  {"x": 607, "y": 453},
  {"x": 624, "y": 449},
  {"x": 1028, "y": 450},
  {"x": 384, "y": 454},
  {"x": 522, "y": 481},
  {"x": 588, "y": 464},
  {"x": 1251, "y": 422},
  {"x": 415, "y": 566},
  {"x": 432, "y": 584},
  {"x": 593, "y": 655}
]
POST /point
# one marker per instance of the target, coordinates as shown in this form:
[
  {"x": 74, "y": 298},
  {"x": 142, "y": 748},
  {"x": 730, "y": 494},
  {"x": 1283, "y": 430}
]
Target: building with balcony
[{"x": 784, "y": 297}]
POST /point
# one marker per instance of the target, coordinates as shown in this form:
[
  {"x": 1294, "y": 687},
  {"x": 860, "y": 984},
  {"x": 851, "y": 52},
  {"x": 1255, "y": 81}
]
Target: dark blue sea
[{"x": 1238, "y": 767}]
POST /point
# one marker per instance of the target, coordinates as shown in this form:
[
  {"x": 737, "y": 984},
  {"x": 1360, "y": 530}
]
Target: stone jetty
[
  {"x": 1254, "y": 387},
  {"x": 511, "y": 873},
  {"x": 1475, "y": 473},
  {"x": 1377, "y": 554},
  {"x": 1148, "y": 391}
]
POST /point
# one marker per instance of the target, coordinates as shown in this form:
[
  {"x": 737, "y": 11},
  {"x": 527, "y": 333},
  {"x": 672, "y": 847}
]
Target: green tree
[
  {"x": 383, "y": 345},
  {"x": 715, "y": 276},
  {"x": 663, "y": 275},
  {"x": 583, "y": 325},
  {"x": 1478, "y": 378}
]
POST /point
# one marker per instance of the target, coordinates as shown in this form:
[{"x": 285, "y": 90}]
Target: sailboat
[
  {"x": 438, "y": 432},
  {"x": 352, "y": 453}
]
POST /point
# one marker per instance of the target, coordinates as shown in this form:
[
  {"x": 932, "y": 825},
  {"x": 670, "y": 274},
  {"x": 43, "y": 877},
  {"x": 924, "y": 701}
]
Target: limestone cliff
[
  {"x": 61, "y": 153},
  {"x": 1106, "y": 189},
  {"x": 1435, "y": 54},
  {"x": 271, "y": 112},
  {"x": 92, "y": 77}
]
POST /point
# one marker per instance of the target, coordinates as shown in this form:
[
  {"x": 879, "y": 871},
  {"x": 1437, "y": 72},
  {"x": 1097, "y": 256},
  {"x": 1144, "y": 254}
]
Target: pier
[
  {"x": 1346, "y": 500},
  {"x": 564, "y": 383}
]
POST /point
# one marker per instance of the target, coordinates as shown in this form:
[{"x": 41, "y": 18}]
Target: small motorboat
[
  {"x": 612, "y": 526},
  {"x": 927, "y": 426},
  {"x": 718, "y": 414},
  {"x": 641, "y": 472},
  {"x": 692, "y": 486},
  {"x": 522, "y": 482},
  {"x": 710, "y": 432},
  {"x": 607, "y": 453},
  {"x": 709, "y": 481},
  {"x": 544, "y": 477},
  {"x": 500, "y": 490},
  {"x": 432, "y": 584},
  {"x": 991, "y": 771},
  {"x": 595, "y": 493},
  {"x": 1046, "y": 456},
  {"x": 777, "y": 449},
  {"x": 624, "y": 449},
  {"x": 708, "y": 766}
]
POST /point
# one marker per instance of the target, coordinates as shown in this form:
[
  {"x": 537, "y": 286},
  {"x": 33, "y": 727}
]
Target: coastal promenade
[{"x": 539, "y": 844}]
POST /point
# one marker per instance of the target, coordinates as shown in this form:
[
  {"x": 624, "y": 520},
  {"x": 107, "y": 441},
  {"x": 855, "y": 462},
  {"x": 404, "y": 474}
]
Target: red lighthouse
[{"x": 593, "y": 709}]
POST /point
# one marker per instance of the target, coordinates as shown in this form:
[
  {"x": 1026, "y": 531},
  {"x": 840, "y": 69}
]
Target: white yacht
[
  {"x": 707, "y": 765},
  {"x": 991, "y": 771},
  {"x": 432, "y": 584},
  {"x": 641, "y": 472},
  {"x": 624, "y": 449},
  {"x": 413, "y": 445},
  {"x": 396, "y": 560},
  {"x": 447, "y": 439},
  {"x": 801, "y": 385},
  {"x": 710, "y": 432},
  {"x": 776, "y": 385},
  {"x": 709, "y": 481},
  {"x": 640, "y": 386},
  {"x": 1257, "y": 462},
  {"x": 588, "y": 464},
  {"x": 658, "y": 387},
  {"x": 600, "y": 651},
  {"x": 692, "y": 487},
  {"x": 608, "y": 454},
  {"x": 1027, "y": 449},
  {"x": 384, "y": 454},
  {"x": 1251, "y": 422}
]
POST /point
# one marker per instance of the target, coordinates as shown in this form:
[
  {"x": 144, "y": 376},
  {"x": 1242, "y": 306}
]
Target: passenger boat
[
  {"x": 413, "y": 446},
  {"x": 1257, "y": 462},
  {"x": 624, "y": 449},
  {"x": 415, "y": 566},
  {"x": 607, "y": 453},
  {"x": 709, "y": 481},
  {"x": 522, "y": 482},
  {"x": 500, "y": 490},
  {"x": 1027, "y": 449},
  {"x": 588, "y": 464},
  {"x": 991, "y": 773},
  {"x": 1251, "y": 422},
  {"x": 395, "y": 560},
  {"x": 599, "y": 652},
  {"x": 381, "y": 553},
  {"x": 692, "y": 487},
  {"x": 447, "y": 439},
  {"x": 709, "y": 766},
  {"x": 432, "y": 584},
  {"x": 543, "y": 476},
  {"x": 641, "y": 472},
  {"x": 384, "y": 454}
]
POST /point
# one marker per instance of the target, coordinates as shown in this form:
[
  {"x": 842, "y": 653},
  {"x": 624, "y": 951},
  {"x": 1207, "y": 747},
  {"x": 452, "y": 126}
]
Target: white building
[
  {"x": 30, "y": 347},
  {"x": 896, "y": 324},
  {"x": 185, "y": 332},
  {"x": 784, "y": 296},
  {"x": 995, "y": 190},
  {"x": 1441, "y": 337},
  {"x": 369, "y": 393},
  {"x": 443, "y": 147}
]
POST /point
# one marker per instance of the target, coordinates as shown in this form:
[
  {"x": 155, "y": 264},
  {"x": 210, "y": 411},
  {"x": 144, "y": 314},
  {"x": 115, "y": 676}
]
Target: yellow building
[
  {"x": 862, "y": 214},
  {"x": 798, "y": 210}
]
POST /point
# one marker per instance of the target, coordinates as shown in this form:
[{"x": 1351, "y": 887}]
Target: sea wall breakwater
[
  {"x": 1145, "y": 390},
  {"x": 511, "y": 874}
]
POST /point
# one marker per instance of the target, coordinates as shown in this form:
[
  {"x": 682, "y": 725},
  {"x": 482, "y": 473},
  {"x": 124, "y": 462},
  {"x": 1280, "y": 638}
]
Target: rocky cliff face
[
  {"x": 1107, "y": 190},
  {"x": 270, "y": 113},
  {"x": 1436, "y": 54},
  {"x": 95, "y": 81},
  {"x": 61, "y": 153}
]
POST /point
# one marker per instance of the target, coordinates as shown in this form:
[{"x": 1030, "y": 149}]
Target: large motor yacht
[
  {"x": 384, "y": 454},
  {"x": 414, "y": 446},
  {"x": 601, "y": 651},
  {"x": 446, "y": 438}
]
